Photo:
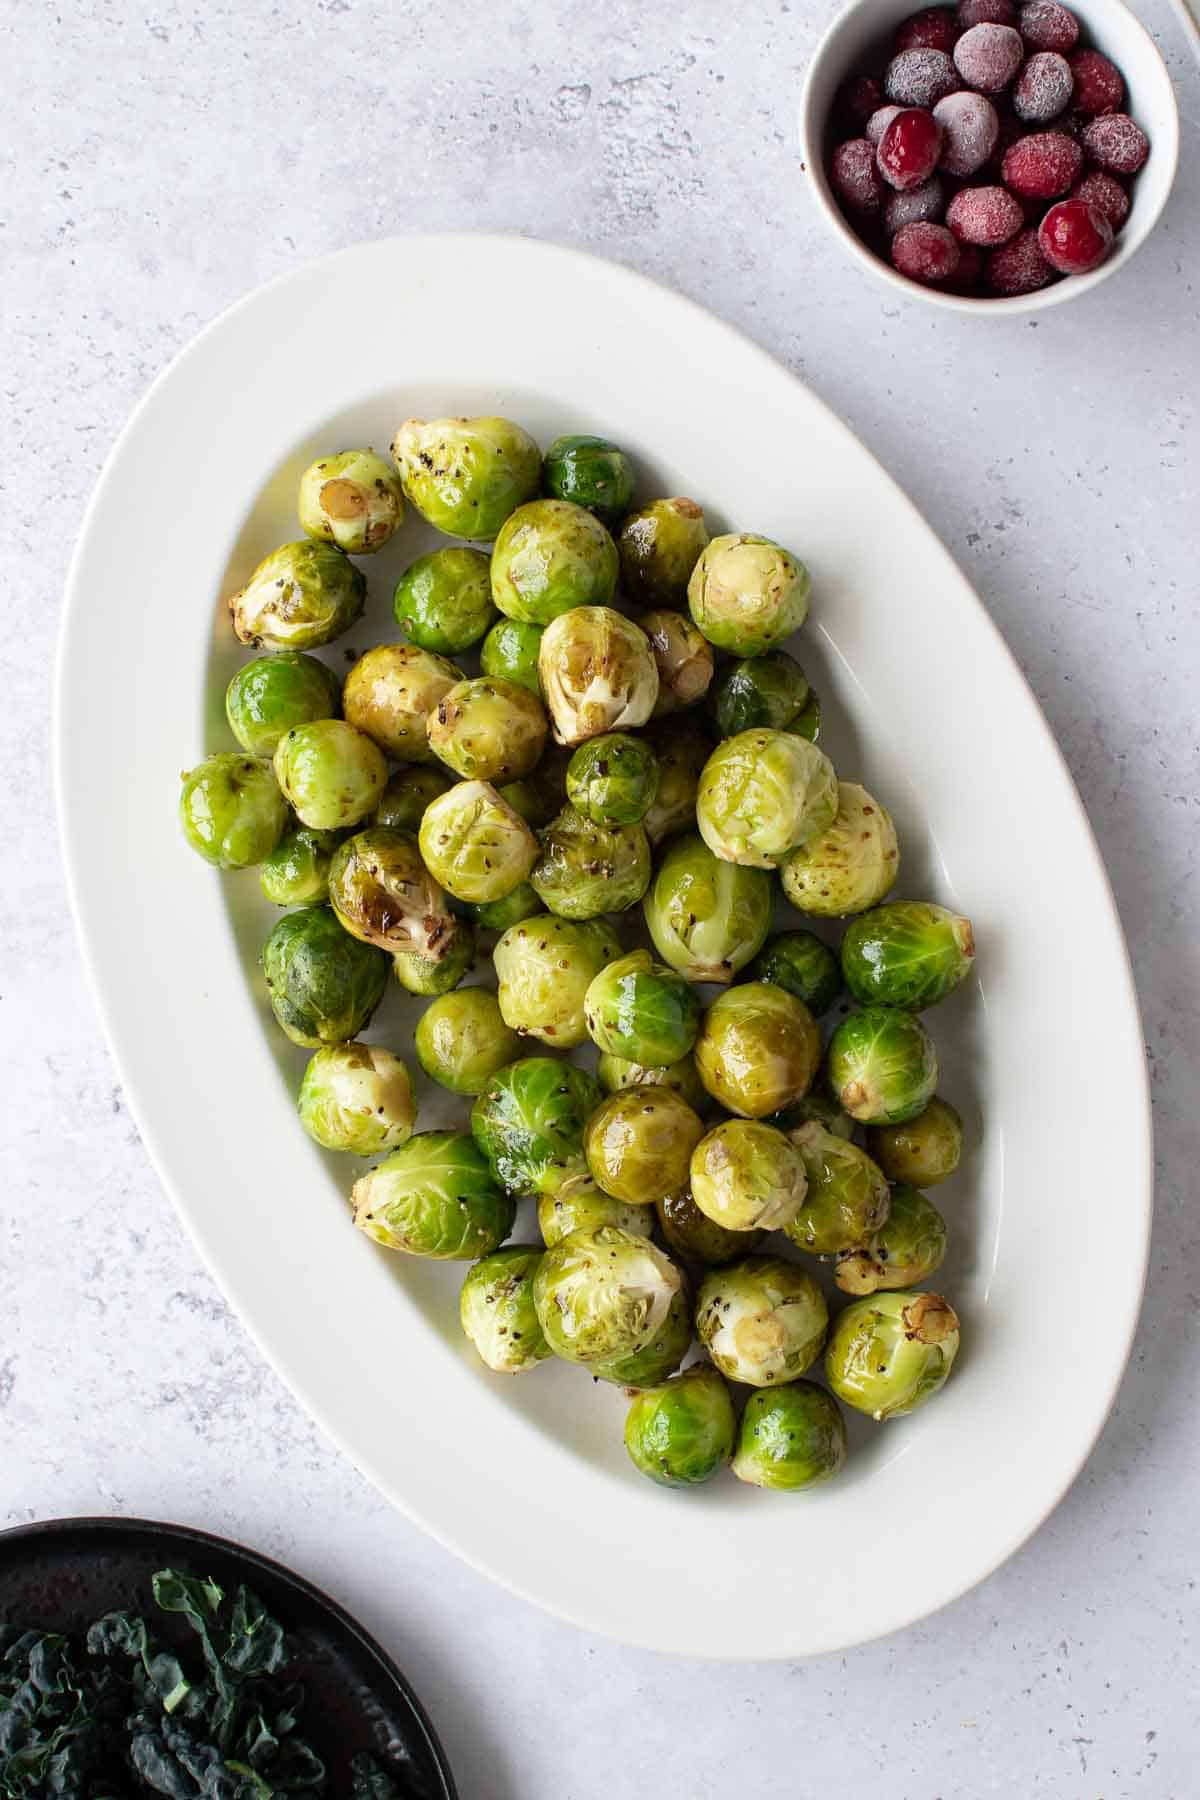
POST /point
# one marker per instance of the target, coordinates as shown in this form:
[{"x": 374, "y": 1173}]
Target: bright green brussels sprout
[
  {"x": 612, "y": 779},
  {"x": 707, "y": 917},
  {"x": 849, "y": 866},
  {"x": 488, "y": 729},
  {"x": 232, "y": 811},
  {"x": 332, "y": 774},
  {"x": 544, "y": 966},
  {"x": 542, "y": 794},
  {"x": 510, "y": 650},
  {"x": 819, "y": 1109},
  {"x": 390, "y": 693},
  {"x": 382, "y": 893},
  {"x": 583, "y": 1207},
  {"x": 909, "y": 1247},
  {"x": 549, "y": 557},
  {"x": 497, "y": 1311},
  {"x": 882, "y": 1065},
  {"x": 746, "y": 1176},
  {"x": 443, "y": 601},
  {"x": 747, "y": 594},
  {"x": 590, "y": 472},
  {"x": 890, "y": 1353},
  {"x": 639, "y": 1009},
  {"x": 682, "y": 656},
  {"x": 273, "y": 693},
  {"x": 659, "y": 1358},
  {"x": 441, "y": 974},
  {"x": 408, "y": 792},
  {"x": 801, "y": 963},
  {"x": 758, "y": 1049},
  {"x": 659, "y": 547},
  {"x": 297, "y": 871},
  {"x": 694, "y": 1237},
  {"x": 597, "y": 672},
  {"x": 528, "y": 1121},
  {"x": 639, "y": 1144},
  {"x": 770, "y": 691},
  {"x": 682, "y": 1433},
  {"x": 908, "y": 953},
  {"x": 682, "y": 749},
  {"x": 617, "y": 1072},
  {"x": 323, "y": 984},
  {"x": 585, "y": 870},
  {"x": 353, "y": 500},
  {"x": 924, "y": 1150},
  {"x": 435, "y": 1196},
  {"x": 462, "y": 1041},
  {"x": 474, "y": 844},
  {"x": 762, "y": 794},
  {"x": 465, "y": 476},
  {"x": 499, "y": 915},
  {"x": 302, "y": 595},
  {"x": 762, "y": 1320},
  {"x": 791, "y": 1437},
  {"x": 357, "y": 1097},
  {"x": 603, "y": 1294},
  {"x": 807, "y": 722},
  {"x": 846, "y": 1201}
]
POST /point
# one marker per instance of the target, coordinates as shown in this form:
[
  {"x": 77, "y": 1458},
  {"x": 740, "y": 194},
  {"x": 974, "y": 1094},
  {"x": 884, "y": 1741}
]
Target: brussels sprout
[
  {"x": 888, "y": 1354},
  {"x": 682, "y": 656},
  {"x": 746, "y": 1176},
  {"x": 693, "y": 1236},
  {"x": 323, "y": 984},
  {"x": 443, "y": 601},
  {"x": 408, "y": 792},
  {"x": 357, "y": 1097},
  {"x": 510, "y": 650},
  {"x": 543, "y": 793},
  {"x": 514, "y": 909},
  {"x": 807, "y": 722},
  {"x": 882, "y": 1065},
  {"x": 332, "y": 774},
  {"x": 908, "y": 953},
  {"x": 617, "y": 1072},
  {"x": 638, "y": 1009},
  {"x": 232, "y": 811},
  {"x": 582, "y": 1207},
  {"x": 763, "y": 794},
  {"x": 659, "y": 547},
  {"x": 603, "y": 1294},
  {"x": 435, "y": 1196},
  {"x": 441, "y": 974},
  {"x": 758, "y": 1049},
  {"x": 682, "y": 750},
  {"x": 488, "y": 729},
  {"x": 763, "y": 691},
  {"x": 549, "y": 557},
  {"x": 682, "y": 1433},
  {"x": 908, "y": 1248},
  {"x": 707, "y": 917},
  {"x": 763, "y": 1321},
  {"x": 353, "y": 500},
  {"x": 462, "y": 1041},
  {"x": 497, "y": 1311},
  {"x": 791, "y": 1437},
  {"x": 639, "y": 1144},
  {"x": 390, "y": 693},
  {"x": 465, "y": 476},
  {"x": 801, "y": 963},
  {"x": 820, "y": 1110},
  {"x": 646, "y": 1367},
  {"x": 544, "y": 966},
  {"x": 846, "y": 1201},
  {"x": 270, "y": 695},
  {"x": 925, "y": 1150},
  {"x": 611, "y": 780},
  {"x": 302, "y": 595},
  {"x": 382, "y": 893},
  {"x": 474, "y": 844},
  {"x": 592, "y": 473},
  {"x": 297, "y": 871},
  {"x": 597, "y": 672},
  {"x": 747, "y": 594},
  {"x": 528, "y": 1121},
  {"x": 849, "y": 866},
  {"x": 585, "y": 870}
]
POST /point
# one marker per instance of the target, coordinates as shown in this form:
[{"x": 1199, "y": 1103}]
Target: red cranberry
[
  {"x": 854, "y": 177},
  {"x": 984, "y": 12},
  {"x": 933, "y": 29},
  {"x": 879, "y": 121},
  {"x": 1043, "y": 87},
  {"x": 857, "y": 99},
  {"x": 925, "y": 252},
  {"x": 970, "y": 268},
  {"x": 1073, "y": 237},
  {"x": 1106, "y": 194},
  {"x": 988, "y": 56},
  {"x": 985, "y": 215},
  {"x": 920, "y": 77},
  {"x": 1046, "y": 25},
  {"x": 1099, "y": 87},
  {"x": 914, "y": 206},
  {"x": 1018, "y": 267},
  {"x": 909, "y": 149},
  {"x": 1116, "y": 143},
  {"x": 970, "y": 128},
  {"x": 1042, "y": 166}
]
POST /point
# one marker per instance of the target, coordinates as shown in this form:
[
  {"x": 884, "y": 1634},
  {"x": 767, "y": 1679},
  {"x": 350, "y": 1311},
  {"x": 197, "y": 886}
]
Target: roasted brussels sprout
[
  {"x": 846, "y": 1201},
  {"x": 682, "y": 1433},
  {"x": 435, "y": 1196},
  {"x": 762, "y": 794},
  {"x": 390, "y": 693},
  {"x": 297, "y": 871},
  {"x": 462, "y": 1041},
  {"x": 514, "y": 909},
  {"x": 323, "y": 984},
  {"x": 408, "y": 792},
  {"x": 541, "y": 795},
  {"x": 682, "y": 749},
  {"x": 433, "y": 975},
  {"x": 603, "y": 1294},
  {"x": 497, "y": 1311},
  {"x": 443, "y": 601},
  {"x": 768, "y": 691},
  {"x": 849, "y": 866},
  {"x": 638, "y": 1009},
  {"x": 909, "y": 1247},
  {"x": 682, "y": 656},
  {"x": 791, "y": 1437},
  {"x": 302, "y": 595},
  {"x": 612, "y": 779},
  {"x": 474, "y": 844},
  {"x": 465, "y": 476},
  {"x": 807, "y": 722},
  {"x": 544, "y": 966},
  {"x": 585, "y": 870},
  {"x": 746, "y": 1176},
  {"x": 888, "y": 1354},
  {"x": 639, "y": 1144},
  {"x": 358, "y": 1098},
  {"x": 762, "y": 1320},
  {"x": 353, "y": 500},
  {"x": 382, "y": 893},
  {"x": 801, "y": 963},
  {"x": 488, "y": 729},
  {"x": 707, "y": 917},
  {"x": 694, "y": 1237},
  {"x": 659, "y": 547},
  {"x": 925, "y": 1150},
  {"x": 597, "y": 672},
  {"x": 818, "y": 1109},
  {"x": 646, "y": 1367},
  {"x": 332, "y": 774},
  {"x": 270, "y": 695},
  {"x": 617, "y": 1072},
  {"x": 582, "y": 1207},
  {"x": 908, "y": 953},
  {"x": 747, "y": 594},
  {"x": 590, "y": 472},
  {"x": 549, "y": 557},
  {"x": 758, "y": 1049},
  {"x": 510, "y": 650},
  {"x": 231, "y": 810},
  {"x": 882, "y": 1065},
  {"x": 528, "y": 1121}
]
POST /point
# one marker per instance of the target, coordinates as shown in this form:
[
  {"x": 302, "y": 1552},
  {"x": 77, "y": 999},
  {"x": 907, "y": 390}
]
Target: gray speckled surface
[{"x": 156, "y": 164}]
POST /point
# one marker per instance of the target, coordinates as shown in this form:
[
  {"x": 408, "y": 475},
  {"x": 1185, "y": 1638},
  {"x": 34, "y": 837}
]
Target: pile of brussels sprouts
[{"x": 613, "y": 806}]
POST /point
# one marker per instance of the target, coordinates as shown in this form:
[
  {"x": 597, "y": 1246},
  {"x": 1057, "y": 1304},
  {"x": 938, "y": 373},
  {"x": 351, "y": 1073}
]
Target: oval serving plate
[{"x": 528, "y": 1479}]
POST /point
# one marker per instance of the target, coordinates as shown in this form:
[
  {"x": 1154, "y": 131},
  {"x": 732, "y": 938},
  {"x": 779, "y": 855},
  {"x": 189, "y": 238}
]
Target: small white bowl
[{"x": 1108, "y": 25}]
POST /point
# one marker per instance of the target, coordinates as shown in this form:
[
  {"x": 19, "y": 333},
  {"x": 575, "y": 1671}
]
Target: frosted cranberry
[
  {"x": 967, "y": 276},
  {"x": 984, "y": 12},
  {"x": 1043, "y": 87},
  {"x": 970, "y": 128},
  {"x": 854, "y": 177},
  {"x": 985, "y": 215},
  {"x": 1099, "y": 87},
  {"x": 1073, "y": 237},
  {"x": 920, "y": 77},
  {"x": 909, "y": 149},
  {"x": 858, "y": 98},
  {"x": 988, "y": 56},
  {"x": 879, "y": 121},
  {"x": 1116, "y": 143},
  {"x": 1045, "y": 25},
  {"x": 1106, "y": 194},
  {"x": 925, "y": 252},
  {"x": 1018, "y": 267},
  {"x": 933, "y": 29},
  {"x": 1043, "y": 165},
  {"x": 914, "y": 206}
]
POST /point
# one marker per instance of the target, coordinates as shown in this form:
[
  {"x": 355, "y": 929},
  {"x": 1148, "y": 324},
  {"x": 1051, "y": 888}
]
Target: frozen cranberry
[
  {"x": 925, "y": 252},
  {"x": 1018, "y": 267},
  {"x": 970, "y": 128},
  {"x": 984, "y": 12},
  {"x": 1043, "y": 87},
  {"x": 854, "y": 177},
  {"x": 1106, "y": 194},
  {"x": 1116, "y": 143},
  {"x": 1098, "y": 84},
  {"x": 914, "y": 206},
  {"x": 909, "y": 149},
  {"x": 1073, "y": 237},
  {"x": 984, "y": 215},
  {"x": 933, "y": 29},
  {"x": 1043, "y": 165},
  {"x": 858, "y": 98},
  {"x": 970, "y": 268},
  {"x": 1045, "y": 25},
  {"x": 920, "y": 77},
  {"x": 988, "y": 56},
  {"x": 879, "y": 121}
]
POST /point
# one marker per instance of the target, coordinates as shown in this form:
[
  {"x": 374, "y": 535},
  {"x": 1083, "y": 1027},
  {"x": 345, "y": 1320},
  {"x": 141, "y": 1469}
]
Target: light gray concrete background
[{"x": 160, "y": 159}]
